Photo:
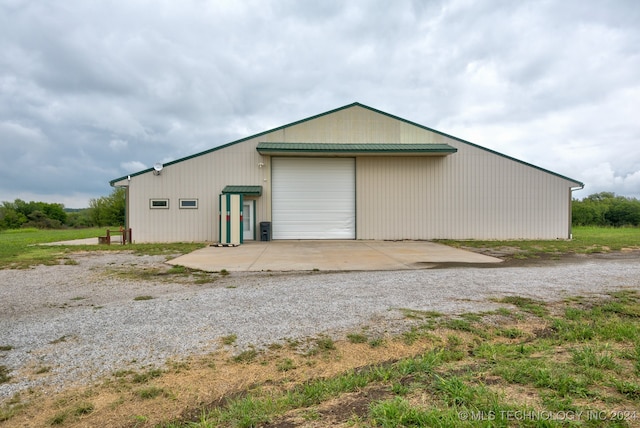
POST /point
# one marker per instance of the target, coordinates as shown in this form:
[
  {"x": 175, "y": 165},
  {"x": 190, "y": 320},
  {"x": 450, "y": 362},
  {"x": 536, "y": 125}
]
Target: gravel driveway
[{"x": 76, "y": 323}]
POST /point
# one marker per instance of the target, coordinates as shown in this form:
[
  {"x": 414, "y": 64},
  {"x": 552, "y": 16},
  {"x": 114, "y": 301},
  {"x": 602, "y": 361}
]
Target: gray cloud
[{"x": 92, "y": 91}]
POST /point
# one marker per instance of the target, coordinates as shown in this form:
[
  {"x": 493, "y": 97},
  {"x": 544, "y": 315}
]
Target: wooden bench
[{"x": 124, "y": 233}]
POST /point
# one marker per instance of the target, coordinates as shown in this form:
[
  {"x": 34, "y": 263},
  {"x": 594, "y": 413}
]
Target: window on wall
[
  {"x": 189, "y": 204},
  {"x": 159, "y": 204}
]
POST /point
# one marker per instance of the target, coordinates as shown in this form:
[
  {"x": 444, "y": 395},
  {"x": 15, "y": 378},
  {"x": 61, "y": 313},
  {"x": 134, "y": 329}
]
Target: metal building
[{"x": 351, "y": 173}]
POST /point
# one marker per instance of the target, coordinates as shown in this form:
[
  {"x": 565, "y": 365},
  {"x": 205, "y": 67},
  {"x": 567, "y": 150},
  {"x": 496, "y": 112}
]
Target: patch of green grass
[
  {"x": 526, "y": 304},
  {"x": 411, "y": 336},
  {"x": 146, "y": 376},
  {"x": 11, "y": 407},
  {"x": 572, "y": 331},
  {"x": 151, "y": 392},
  {"x": 175, "y": 273},
  {"x": 203, "y": 278},
  {"x": 59, "y": 418},
  {"x": 83, "y": 409},
  {"x": 229, "y": 340},
  {"x": 376, "y": 342},
  {"x": 246, "y": 356},
  {"x": 398, "y": 412},
  {"x": 326, "y": 344},
  {"x": 6, "y": 348},
  {"x": 59, "y": 340},
  {"x": 627, "y": 388},
  {"x": 178, "y": 270},
  {"x": 43, "y": 369},
  {"x": 492, "y": 352},
  {"x": 510, "y": 333},
  {"x": 141, "y": 298},
  {"x": 417, "y": 314},
  {"x": 4, "y": 375},
  {"x": 311, "y": 415},
  {"x": 322, "y": 345},
  {"x": 357, "y": 338},
  {"x": 139, "y": 420},
  {"x": 285, "y": 365},
  {"x": 588, "y": 357},
  {"x": 459, "y": 324}
]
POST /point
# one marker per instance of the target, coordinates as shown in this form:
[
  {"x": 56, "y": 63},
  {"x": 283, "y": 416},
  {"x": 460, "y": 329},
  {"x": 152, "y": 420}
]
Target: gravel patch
[{"x": 78, "y": 323}]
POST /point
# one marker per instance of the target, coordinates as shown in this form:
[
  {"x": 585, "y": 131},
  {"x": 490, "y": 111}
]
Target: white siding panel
[{"x": 313, "y": 198}]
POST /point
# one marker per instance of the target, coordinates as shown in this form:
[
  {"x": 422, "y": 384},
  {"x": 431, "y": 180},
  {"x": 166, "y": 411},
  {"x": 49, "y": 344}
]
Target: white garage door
[{"x": 313, "y": 198}]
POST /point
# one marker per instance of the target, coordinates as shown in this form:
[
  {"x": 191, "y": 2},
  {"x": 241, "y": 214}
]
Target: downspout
[
  {"x": 573, "y": 189},
  {"x": 127, "y": 224}
]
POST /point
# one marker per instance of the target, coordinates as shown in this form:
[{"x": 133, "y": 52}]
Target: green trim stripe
[
  {"x": 228, "y": 218},
  {"x": 268, "y": 148},
  {"x": 221, "y": 212},
  {"x": 241, "y": 226}
]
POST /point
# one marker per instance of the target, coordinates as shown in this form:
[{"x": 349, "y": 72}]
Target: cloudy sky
[{"x": 93, "y": 90}]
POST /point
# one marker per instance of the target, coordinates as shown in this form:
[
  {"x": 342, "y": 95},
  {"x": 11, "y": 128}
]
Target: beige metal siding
[
  {"x": 351, "y": 126},
  {"x": 472, "y": 194},
  {"x": 202, "y": 177}
]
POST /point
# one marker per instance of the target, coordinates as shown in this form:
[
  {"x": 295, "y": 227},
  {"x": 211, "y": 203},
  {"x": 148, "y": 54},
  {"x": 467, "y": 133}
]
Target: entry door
[
  {"x": 231, "y": 218},
  {"x": 248, "y": 222}
]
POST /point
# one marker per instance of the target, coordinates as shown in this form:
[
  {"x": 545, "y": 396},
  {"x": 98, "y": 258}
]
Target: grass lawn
[
  {"x": 19, "y": 248},
  {"x": 586, "y": 240}
]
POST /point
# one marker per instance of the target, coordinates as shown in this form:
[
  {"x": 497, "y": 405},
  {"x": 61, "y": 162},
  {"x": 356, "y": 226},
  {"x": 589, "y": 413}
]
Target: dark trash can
[{"x": 265, "y": 231}]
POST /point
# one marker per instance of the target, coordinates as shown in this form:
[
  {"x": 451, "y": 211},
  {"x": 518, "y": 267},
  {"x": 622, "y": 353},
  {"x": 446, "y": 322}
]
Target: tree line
[
  {"x": 103, "y": 211},
  {"x": 598, "y": 209},
  {"x": 606, "y": 209}
]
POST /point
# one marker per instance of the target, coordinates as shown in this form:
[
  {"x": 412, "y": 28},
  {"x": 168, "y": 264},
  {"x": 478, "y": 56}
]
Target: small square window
[
  {"x": 159, "y": 204},
  {"x": 189, "y": 204}
]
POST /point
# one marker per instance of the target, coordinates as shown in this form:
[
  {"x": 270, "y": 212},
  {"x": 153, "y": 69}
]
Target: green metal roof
[
  {"x": 387, "y": 148},
  {"x": 243, "y": 190}
]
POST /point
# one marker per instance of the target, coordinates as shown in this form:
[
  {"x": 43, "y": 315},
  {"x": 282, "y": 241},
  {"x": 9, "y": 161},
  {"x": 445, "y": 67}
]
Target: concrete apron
[{"x": 256, "y": 256}]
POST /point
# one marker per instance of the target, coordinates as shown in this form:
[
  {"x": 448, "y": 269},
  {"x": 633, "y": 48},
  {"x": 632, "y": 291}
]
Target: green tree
[
  {"x": 606, "y": 209},
  {"x": 19, "y": 213},
  {"x": 10, "y": 218},
  {"x": 41, "y": 220},
  {"x": 623, "y": 212},
  {"x": 79, "y": 219},
  {"x": 108, "y": 210}
]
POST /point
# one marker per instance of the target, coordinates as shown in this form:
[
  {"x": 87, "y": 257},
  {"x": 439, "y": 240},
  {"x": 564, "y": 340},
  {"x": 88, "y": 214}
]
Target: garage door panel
[{"x": 313, "y": 198}]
